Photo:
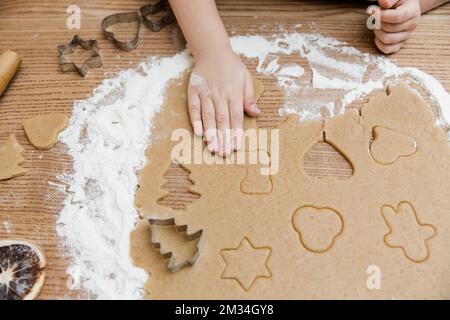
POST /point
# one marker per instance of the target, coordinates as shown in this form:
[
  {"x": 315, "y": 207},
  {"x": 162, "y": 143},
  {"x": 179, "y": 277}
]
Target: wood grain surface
[{"x": 29, "y": 205}]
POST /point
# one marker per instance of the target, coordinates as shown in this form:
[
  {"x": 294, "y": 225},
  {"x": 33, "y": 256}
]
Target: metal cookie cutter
[
  {"x": 123, "y": 18},
  {"x": 157, "y": 15},
  {"x": 172, "y": 265},
  {"x": 95, "y": 61}
]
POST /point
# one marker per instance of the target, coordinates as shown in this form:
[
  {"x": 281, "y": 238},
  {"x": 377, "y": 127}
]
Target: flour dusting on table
[
  {"x": 108, "y": 135},
  {"x": 107, "y": 138}
]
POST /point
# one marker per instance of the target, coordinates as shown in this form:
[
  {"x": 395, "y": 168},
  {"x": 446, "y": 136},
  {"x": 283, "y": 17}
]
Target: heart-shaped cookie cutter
[
  {"x": 155, "y": 16},
  {"x": 95, "y": 61},
  {"x": 123, "y": 17}
]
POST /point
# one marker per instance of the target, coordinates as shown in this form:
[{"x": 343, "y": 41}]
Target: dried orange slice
[{"x": 22, "y": 273}]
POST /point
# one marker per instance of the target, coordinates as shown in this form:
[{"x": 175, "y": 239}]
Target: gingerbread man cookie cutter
[
  {"x": 157, "y": 15},
  {"x": 95, "y": 61},
  {"x": 173, "y": 265}
]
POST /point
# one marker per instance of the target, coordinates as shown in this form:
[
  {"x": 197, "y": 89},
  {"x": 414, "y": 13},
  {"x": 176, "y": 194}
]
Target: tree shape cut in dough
[
  {"x": 406, "y": 232},
  {"x": 324, "y": 160},
  {"x": 255, "y": 182},
  {"x": 11, "y": 159},
  {"x": 389, "y": 145},
  {"x": 42, "y": 131},
  {"x": 246, "y": 263},
  {"x": 317, "y": 227}
]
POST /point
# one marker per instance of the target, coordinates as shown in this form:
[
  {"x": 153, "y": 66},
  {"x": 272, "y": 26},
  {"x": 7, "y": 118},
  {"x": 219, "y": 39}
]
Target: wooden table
[{"x": 29, "y": 205}]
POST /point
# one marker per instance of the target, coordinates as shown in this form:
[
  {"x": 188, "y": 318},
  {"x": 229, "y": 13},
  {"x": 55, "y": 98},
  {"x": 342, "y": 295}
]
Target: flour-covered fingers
[
  {"x": 223, "y": 125},
  {"x": 388, "y": 48},
  {"x": 250, "y": 106},
  {"x": 194, "y": 106},
  {"x": 236, "y": 107},
  {"x": 209, "y": 123},
  {"x": 389, "y": 38}
]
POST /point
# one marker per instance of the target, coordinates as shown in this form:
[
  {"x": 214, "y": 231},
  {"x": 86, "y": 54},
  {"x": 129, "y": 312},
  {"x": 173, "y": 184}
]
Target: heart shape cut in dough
[
  {"x": 43, "y": 131},
  {"x": 389, "y": 145}
]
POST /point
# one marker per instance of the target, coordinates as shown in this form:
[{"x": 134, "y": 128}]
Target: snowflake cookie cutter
[
  {"x": 173, "y": 265},
  {"x": 95, "y": 61}
]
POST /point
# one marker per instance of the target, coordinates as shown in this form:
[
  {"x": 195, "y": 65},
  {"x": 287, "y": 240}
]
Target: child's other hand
[
  {"x": 220, "y": 90},
  {"x": 398, "y": 20}
]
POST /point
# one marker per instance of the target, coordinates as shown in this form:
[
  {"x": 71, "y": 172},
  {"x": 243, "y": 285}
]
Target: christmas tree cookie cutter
[{"x": 173, "y": 265}]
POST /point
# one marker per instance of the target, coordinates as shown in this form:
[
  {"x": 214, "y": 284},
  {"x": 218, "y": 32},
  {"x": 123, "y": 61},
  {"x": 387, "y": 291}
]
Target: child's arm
[
  {"x": 398, "y": 20},
  {"x": 220, "y": 88}
]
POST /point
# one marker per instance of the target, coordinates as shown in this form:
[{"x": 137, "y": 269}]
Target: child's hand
[
  {"x": 398, "y": 20},
  {"x": 220, "y": 89}
]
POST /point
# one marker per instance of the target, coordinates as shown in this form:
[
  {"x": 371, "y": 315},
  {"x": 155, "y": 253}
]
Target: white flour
[
  {"x": 344, "y": 72},
  {"x": 108, "y": 136}
]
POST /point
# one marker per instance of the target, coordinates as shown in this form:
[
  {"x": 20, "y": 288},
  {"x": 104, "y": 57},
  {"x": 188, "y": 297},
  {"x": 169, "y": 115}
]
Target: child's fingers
[
  {"x": 209, "y": 123},
  {"x": 388, "y": 48},
  {"x": 392, "y": 38},
  {"x": 387, "y": 4},
  {"x": 398, "y": 15},
  {"x": 236, "y": 122},
  {"x": 194, "y": 106},
  {"x": 250, "y": 106},
  {"x": 397, "y": 27},
  {"x": 223, "y": 125}
]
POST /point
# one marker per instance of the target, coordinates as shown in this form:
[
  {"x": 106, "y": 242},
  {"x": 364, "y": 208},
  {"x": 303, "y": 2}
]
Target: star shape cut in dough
[{"x": 246, "y": 263}]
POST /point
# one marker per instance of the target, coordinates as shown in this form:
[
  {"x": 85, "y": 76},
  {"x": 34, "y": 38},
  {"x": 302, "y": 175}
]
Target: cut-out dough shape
[
  {"x": 406, "y": 232},
  {"x": 246, "y": 263},
  {"x": 42, "y": 131},
  {"x": 173, "y": 243},
  {"x": 226, "y": 214},
  {"x": 389, "y": 145},
  {"x": 317, "y": 227},
  {"x": 11, "y": 159},
  {"x": 255, "y": 182},
  {"x": 324, "y": 160}
]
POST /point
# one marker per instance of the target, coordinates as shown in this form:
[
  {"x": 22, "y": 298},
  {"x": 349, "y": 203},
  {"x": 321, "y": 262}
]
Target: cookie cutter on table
[
  {"x": 95, "y": 61},
  {"x": 157, "y": 15},
  {"x": 172, "y": 265},
  {"x": 123, "y": 17}
]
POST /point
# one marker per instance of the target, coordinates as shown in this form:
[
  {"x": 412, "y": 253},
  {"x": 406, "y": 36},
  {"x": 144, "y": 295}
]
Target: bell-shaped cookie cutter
[
  {"x": 172, "y": 265},
  {"x": 156, "y": 15},
  {"x": 123, "y": 17},
  {"x": 93, "y": 62}
]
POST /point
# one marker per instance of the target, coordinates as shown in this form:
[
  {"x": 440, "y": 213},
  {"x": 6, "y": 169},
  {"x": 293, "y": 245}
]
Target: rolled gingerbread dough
[
  {"x": 309, "y": 238},
  {"x": 11, "y": 159},
  {"x": 43, "y": 130}
]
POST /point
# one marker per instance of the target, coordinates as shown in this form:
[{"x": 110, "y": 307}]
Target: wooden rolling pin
[{"x": 9, "y": 63}]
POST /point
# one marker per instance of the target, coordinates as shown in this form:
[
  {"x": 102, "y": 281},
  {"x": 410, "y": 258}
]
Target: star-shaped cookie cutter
[
  {"x": 95, "y": 61},
  {"x": 172, "y": 265}
]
